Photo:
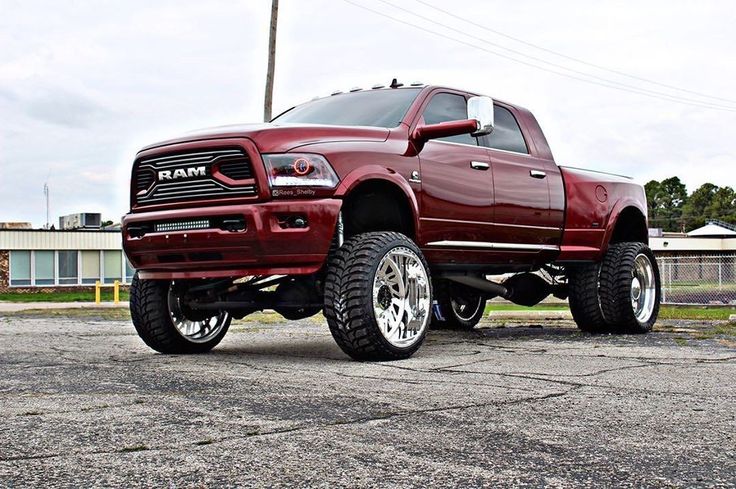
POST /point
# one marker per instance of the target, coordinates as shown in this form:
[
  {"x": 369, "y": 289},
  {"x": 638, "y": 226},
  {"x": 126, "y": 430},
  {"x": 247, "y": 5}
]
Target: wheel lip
[
  {"x": 174, "y": 307},
  {"x": 643, "y": 272},
  {"x": 418, "y": 335}
]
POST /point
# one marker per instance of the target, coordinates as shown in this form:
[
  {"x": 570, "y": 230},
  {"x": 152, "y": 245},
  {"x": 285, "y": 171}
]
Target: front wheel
[
  {"x": 166, "y": 324},
  {"x": 378, "y": 296}
]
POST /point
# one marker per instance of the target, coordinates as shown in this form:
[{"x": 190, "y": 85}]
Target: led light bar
[{"x": 165, "y": 227}]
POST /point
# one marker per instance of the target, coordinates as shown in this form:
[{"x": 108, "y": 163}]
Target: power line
[
  {"x": 648, "y": 93},
  {"x": 572, "y": 58},
  {"x": 541, "y": 60},
  {"x": 544, "y": 61}
]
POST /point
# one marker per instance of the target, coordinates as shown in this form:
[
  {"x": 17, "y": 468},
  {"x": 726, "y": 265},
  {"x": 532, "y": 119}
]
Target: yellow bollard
[
  {"x": 116, "y": 292},
  {"x": 97, "y": 292}
]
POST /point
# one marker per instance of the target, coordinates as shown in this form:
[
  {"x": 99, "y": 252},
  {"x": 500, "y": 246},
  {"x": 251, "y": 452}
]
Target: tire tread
[
  {"x": 615, "y": 287},
  {"x": 348, "y": 297},
  {"x": 149, "y": 311}
]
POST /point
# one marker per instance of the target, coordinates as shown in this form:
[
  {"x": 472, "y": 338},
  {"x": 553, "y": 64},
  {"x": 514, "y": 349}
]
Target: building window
[
  {"x": 20, "y": 268},
  {"x": 90, "y": 267},
  {"x": 113, "y": 266},
  {"x": 68, "y": 267},
  {"x": 43, "y": 267}
]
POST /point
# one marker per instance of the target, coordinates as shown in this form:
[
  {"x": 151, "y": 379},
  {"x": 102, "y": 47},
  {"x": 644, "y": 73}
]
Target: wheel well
[
  {"x": 377, "y": 206},
  {"x": 630, "y": 226}
]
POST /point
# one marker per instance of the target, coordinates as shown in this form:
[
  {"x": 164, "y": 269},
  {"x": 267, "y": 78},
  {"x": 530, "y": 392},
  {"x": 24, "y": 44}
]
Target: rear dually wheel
[{"x": 630, "y": 290}]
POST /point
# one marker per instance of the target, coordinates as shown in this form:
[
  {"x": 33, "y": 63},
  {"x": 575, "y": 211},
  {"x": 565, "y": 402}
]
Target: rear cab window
[{"x": 506, "y": 135}]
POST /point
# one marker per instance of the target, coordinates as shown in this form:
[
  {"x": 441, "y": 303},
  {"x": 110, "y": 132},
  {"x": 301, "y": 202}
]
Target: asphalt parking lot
[{"x": 85, "y": 403}]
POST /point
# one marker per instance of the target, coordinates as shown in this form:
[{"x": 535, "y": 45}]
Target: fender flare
[
  {"x": 377, "y": 172},
  {"x": 615, "y": 213}
]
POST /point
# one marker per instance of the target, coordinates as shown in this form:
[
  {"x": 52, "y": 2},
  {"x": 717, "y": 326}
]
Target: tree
[
  {"x": 653, "y": 190},
  {"x": 694, "y": 211},
  {"x": 722, "y": 205},
  {"x": 666, "y": 200}
]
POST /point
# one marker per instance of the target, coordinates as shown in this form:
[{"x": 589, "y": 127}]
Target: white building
[{"x": 34, "y": 260}]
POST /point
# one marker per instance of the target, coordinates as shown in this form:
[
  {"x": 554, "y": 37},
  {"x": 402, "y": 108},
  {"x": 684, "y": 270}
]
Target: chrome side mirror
[{"x": 481, "y": 109}]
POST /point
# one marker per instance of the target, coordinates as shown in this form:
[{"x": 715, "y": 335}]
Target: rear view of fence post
[{"x": 664, "y": 285}]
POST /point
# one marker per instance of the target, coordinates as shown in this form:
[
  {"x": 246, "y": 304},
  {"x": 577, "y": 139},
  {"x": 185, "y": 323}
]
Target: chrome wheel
[
  {"x": 401, "y": 297},
  {"x": 643, "y": 288},
  {"x": 465, "y": 309},
  {"x": 194, "y": 326}
]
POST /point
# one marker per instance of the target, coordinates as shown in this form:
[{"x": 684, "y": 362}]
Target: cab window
[
  {"x": 506, "y": 133},
  {"x": 446, "y": 107}
]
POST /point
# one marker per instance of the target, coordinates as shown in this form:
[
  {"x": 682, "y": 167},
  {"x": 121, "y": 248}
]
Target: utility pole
[
  {"x": 46, "y": 194},
  {"x": 268, "y": 101}
]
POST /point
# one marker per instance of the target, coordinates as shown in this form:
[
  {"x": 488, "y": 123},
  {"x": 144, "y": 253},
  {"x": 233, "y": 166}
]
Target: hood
[{"x": 279, "y": 138}]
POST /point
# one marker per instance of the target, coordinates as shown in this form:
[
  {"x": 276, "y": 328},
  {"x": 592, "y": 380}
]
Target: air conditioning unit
[{"x": 82, "y": 220}]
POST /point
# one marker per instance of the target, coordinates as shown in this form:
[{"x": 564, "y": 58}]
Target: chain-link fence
[{"x": 698, "y": 279}]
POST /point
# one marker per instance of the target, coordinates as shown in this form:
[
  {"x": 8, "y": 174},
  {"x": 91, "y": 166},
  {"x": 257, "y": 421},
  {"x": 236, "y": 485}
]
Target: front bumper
[{"x": 267, "y": 246}]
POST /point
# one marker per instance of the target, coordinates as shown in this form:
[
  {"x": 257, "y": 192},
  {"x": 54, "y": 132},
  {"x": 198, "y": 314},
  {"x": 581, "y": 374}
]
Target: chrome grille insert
[
  {"x": 235, "y": 169},
  {"x": 170, "y": 178},
  {"x": 145, "y": 180}
]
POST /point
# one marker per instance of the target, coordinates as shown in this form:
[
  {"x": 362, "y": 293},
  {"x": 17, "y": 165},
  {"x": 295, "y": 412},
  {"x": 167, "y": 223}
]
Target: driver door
[{"x": 457, "y": 184}]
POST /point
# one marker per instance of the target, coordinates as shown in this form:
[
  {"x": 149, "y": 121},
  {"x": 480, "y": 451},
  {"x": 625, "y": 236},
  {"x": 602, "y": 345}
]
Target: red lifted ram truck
[{"x": 386, "y": 209}]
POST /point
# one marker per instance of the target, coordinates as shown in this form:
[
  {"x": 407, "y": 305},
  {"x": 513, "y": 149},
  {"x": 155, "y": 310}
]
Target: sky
[{"x": 85, "y": 84}]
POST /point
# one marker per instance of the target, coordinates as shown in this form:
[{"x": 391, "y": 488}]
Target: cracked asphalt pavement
[{"x": 86, "y": 403}]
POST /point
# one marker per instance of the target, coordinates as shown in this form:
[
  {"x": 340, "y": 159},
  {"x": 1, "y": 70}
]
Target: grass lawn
[
  {"x": 665, "y": 312},
  {"x": 106, "y": 296}
]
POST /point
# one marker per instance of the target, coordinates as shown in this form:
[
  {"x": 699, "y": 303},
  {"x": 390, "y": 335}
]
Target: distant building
[
  {"x": 714, "y": 229},
  {"x": 46, "y": 260},
  {"x": 715, "y": 238},
  {"x": 15, "y": 225}
]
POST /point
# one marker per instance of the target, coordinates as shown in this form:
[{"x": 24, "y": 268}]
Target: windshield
[{"x": 377, "y": 108}]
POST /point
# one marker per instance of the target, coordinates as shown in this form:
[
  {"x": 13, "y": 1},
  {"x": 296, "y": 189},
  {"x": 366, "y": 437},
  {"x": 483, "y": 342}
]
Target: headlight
[{"x": 299, "y": 170}]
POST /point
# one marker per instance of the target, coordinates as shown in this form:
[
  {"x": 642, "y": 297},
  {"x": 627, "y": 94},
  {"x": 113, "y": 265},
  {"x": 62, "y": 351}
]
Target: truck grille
[
  {"x": 189, "y": 176},
  {"x": 235, "y": 169}
]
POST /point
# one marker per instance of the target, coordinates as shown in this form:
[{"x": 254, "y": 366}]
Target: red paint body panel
[
  {"x": 590, "y": 219},
  {"x": 559, "y": 213},
  {"x": 262, "y": 247}
]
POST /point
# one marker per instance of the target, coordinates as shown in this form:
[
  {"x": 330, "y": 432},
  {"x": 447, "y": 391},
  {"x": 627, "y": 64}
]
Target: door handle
[
  {"x": 479, "y": 165},
  {"x": 537, "y": 174}
]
